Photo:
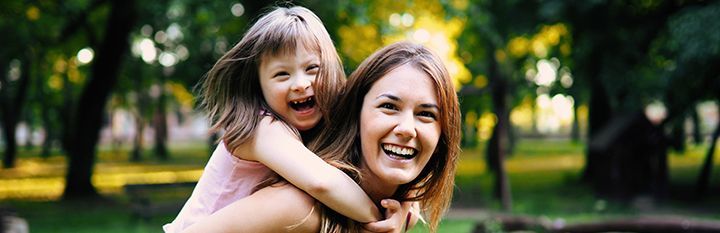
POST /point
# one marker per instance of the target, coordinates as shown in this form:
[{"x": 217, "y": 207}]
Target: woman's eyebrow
[
  {"x": 430, "y": 106},
  {"x": 389, "y": 96},
  {"x": 395, "y": 98}
]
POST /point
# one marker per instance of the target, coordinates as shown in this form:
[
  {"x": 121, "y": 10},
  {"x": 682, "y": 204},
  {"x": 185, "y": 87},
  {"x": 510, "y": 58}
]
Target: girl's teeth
[{"x": 301, "y": 101}]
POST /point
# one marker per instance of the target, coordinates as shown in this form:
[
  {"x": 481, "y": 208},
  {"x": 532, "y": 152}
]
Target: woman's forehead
[{"x": 407, "y": 83}]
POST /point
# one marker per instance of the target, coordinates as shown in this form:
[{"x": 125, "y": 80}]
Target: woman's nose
[{"x": 406, "y": 126}]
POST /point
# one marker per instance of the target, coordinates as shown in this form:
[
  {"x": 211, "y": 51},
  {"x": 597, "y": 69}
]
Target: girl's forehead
[
  {"x": 292, "y": 49},
  {"x": 291, "y": 53}
]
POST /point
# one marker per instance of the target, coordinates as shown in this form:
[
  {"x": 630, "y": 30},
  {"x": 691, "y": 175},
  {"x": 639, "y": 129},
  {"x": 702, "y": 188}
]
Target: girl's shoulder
[
  {"x": 269, "y": 133},
  {"x": 273, "y": 127}
]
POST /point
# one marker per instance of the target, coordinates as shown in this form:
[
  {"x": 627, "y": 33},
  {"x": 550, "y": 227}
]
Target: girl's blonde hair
[
  {"x": 230, "y": 93},
  {"x": 339, "y": 143}
]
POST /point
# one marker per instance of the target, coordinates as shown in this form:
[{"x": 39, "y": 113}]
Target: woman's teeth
[{"x": 403, "y": 152}]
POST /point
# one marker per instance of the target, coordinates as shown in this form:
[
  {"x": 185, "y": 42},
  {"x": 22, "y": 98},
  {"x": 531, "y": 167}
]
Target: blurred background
[{"x": 574, "y": 112}]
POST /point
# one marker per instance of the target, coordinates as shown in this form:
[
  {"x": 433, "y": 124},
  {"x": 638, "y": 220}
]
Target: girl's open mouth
[{"x": 303, "y": 105}]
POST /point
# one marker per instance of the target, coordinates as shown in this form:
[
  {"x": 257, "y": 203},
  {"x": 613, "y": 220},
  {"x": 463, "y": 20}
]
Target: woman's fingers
[
  {"x": 393, "y": 218},
  {"x": 386, "y": 225},
  {"x": 391, "y": 206}
]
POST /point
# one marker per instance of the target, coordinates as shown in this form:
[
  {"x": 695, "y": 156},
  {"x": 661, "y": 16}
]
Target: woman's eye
[
  {"x": 427, "y": 114},
  {"x": 388, "y": 106}
]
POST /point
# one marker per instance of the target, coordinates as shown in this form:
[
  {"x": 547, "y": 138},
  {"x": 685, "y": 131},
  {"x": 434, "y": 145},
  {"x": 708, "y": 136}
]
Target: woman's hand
[{"x": 395, "y": 218}]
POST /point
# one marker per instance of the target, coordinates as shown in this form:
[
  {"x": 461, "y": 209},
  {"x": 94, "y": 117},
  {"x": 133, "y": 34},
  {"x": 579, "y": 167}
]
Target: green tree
[
  {"x": 612, "y": 46},
  {"x": 691, "y": 54},
  {"x": 102, "y": 78}
]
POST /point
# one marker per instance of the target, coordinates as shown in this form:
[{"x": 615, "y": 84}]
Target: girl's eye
[
  {"x": 281, "y": 73},
  {"x": 388, "y": 106},
  {"x": 427, "y": 114},
  {"x": 313, "y": 67}
]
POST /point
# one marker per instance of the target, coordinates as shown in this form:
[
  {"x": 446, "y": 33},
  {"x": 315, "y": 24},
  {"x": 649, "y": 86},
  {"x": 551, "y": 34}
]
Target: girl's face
[
  {"x": 399, "y": 129},
  {"x": 287, "y": 82}
]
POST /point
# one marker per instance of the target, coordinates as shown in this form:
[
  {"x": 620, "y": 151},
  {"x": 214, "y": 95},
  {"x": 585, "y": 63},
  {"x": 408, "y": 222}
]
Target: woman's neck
[{"x": 374, "y": 187}]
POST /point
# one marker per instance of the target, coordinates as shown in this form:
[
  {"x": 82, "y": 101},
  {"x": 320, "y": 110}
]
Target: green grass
[
  {"x": 84, "y": 217},
  {"x": 543, "y": 176}
]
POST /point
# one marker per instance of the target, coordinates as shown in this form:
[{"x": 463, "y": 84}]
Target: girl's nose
[{"x": 301, "y": 84}]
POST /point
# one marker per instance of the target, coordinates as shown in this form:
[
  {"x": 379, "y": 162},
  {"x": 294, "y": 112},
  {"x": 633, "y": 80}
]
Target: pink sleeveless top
[{"x": 225, "y": 179}]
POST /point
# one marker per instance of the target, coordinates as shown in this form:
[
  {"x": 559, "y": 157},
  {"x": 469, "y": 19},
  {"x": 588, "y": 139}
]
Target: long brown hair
[
  {"x": 230, "y": 93},
  {"x": 339, "y": 143}
]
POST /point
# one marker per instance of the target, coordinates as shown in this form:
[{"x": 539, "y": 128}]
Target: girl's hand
[{"x": 395, "y": 218}]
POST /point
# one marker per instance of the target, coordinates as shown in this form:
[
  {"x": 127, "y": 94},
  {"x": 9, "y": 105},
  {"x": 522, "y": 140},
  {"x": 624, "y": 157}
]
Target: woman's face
[{"x": 399, "y": 129}]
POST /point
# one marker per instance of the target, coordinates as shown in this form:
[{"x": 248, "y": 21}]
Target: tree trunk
[
  {"x": 697, "y": 135},
  {"x": 139, "y": 115},
  {"x": 102, "y": 79},
  {"x": 511, "y": 136},
  {"x": 575, "y": 130},
  {"x": 160, "y": 122},
  {"x": 29, "y": 135},
  {"x": 703, "y": 180},
  {"x": 139, "y": 137},
  {"x": 677, "y": 135},
  {"x": 49, "y": 132},
  {"x": 599, "y": 114},
  {"x": 45, "y": 118},
  {"x": 497, "y": 146},
  {"x": 67, "y": 113},
  {"x": 11, "y": 109},
  {"x": 467, "y": 131}
]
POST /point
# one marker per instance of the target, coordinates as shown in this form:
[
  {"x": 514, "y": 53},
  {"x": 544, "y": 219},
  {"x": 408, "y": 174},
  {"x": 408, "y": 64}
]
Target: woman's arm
[
  {"x": 281, "y": 150},
  {"x": 280, "y": 208}
]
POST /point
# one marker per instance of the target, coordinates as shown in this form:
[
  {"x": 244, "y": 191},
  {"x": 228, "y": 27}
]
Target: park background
[{"x": 574, "y": 112}]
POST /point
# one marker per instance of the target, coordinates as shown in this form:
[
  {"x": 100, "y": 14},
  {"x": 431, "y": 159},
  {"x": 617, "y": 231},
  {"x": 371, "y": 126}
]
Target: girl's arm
[
  {"x": 281, "y": 150},
  {"x": 282, "y": 208}
]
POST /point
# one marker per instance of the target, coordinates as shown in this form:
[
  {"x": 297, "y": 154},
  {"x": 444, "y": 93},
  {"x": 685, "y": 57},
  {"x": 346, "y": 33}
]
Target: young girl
[{"x": 268, "y": 93}]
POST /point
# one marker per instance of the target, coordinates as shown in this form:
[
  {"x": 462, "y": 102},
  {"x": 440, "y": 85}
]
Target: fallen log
[{"x": 649, "y": 224}]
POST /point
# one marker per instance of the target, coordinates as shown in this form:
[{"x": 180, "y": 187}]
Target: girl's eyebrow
[
  {"x": 312, "y": 59},
  {"x": 275, "y": 65}
]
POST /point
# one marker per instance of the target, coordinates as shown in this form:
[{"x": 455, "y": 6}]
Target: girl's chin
[{"x": 307, "y": 124}]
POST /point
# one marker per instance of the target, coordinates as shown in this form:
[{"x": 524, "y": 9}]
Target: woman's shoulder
[
  {"x": 286, "y": 192},
  {"x": 277, "y": 208}
]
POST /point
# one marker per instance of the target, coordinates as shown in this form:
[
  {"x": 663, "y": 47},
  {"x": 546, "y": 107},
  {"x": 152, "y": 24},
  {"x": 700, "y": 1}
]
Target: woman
[{"x": 401, "y": 112}]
